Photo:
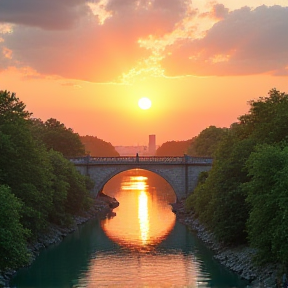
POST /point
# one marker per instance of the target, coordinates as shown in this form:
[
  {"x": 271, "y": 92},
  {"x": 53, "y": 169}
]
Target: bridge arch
[
  {"x": 108, "y": 178},
  {"x": 180, "y": 172}
]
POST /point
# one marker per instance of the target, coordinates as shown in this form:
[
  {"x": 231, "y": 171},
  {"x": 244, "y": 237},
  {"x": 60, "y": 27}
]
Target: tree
[
  {"x": 25, "y": 165},
  {"x": 70, "y": 189},
  {"x": 97, "y": 147},
  {"x": 268, "y": 198},
  {"x": 11, "y": 108},
  {"x": 173, "y": 148},
  {"x": 205, "y": 144},
  {"x": 220, "y": 202},
  {"x": 56, "y": 136},
  {"x": 12, "y": 234},
  {"x": 37, "y": 187},
  {"x": 267, "y": 118},
  {"x": 27, "y": 171}
]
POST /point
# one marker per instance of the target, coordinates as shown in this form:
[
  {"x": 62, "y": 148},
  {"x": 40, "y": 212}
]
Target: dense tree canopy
[
  {"x": 268, "y": 198},
  {"x": 173, "y": 148},
  {"x": 12, "y": 234},
  {"x": 11, "y": 108},
  {"x": 267, "y": 118},
  {"x": 38, "y": 185},
  {"x": 97, "y": 147},
  {"x": 56, "y": 136},
  {"x": 205, "y": 144},
  {"x": 247, "y": 187}
]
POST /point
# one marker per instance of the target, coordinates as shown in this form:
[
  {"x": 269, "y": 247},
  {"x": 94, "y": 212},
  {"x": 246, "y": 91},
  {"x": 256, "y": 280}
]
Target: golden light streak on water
[
  {"x": 143, "y": 217},
  {"x": 135, "y": 183}
]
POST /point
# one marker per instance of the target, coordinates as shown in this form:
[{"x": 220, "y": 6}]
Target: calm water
[{"x": 142, "y": 246}]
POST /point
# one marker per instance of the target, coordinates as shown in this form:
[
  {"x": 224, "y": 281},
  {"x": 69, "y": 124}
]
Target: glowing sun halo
[{"x": 144, "y": 103}]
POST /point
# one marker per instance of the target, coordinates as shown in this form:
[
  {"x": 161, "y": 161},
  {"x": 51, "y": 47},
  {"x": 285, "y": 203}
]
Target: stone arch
[
  {"x": 181, "y": 176},
  {"x": 100, "y": 186}
]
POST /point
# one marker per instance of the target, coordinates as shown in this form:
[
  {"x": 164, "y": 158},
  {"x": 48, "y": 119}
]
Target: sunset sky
[{"x": 87, "y": 63}]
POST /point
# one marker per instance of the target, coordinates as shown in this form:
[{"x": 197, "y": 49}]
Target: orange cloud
[
  {"x": 7, "y": 53},
  {"x": 104, "y": 40},
  {"x": 90, "y": 50}
]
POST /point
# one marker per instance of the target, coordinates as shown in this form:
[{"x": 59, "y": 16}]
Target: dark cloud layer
[
  {"x": 45, "y": 14},
  {"x": 245, "y": 42}
]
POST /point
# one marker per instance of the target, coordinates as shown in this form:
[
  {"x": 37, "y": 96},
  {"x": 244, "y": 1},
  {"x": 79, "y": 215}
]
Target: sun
[{"x": 144, "y": 103}]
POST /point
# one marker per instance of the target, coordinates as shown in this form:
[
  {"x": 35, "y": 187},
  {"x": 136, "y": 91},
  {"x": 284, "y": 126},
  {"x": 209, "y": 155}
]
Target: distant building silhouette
[{"x": 152, "y": 145}]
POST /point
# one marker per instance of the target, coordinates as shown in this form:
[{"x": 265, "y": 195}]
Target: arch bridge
[{"x": 180, "y": 172}]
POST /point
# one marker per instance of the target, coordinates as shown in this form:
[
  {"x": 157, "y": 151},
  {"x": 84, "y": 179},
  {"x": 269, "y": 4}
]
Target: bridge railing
[{"x": 142, "y": 160}]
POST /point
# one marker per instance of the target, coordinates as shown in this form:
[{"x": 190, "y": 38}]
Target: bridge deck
[{"x": 88, "y": 160}]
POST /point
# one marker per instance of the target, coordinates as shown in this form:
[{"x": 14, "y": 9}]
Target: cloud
[
  {"x": 148, "y": 17},
  {"x": 67, "y": 39},
  {"x": 246, "y": 41},
  {"x": 45, "y": 14},
  {"x": 218, "y": 11},
  {"x": 48, "y": 40},
  {"x": 5, "y": 57}
]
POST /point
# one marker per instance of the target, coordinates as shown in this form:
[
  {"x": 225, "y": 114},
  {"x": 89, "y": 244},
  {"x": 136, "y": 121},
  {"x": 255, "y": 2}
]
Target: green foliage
[
  {"x": 70, "y": 189},
  {"x": 268, "y": 197},
  {"x": 43, "y": 186},
  {"x": 25, "y": 166},
  {"x": 202, "y": 177},
  {"x": 205, "y": 144},
  {"x": 220, "y": 201},
  {"x": 173, "y": 148},
  {"x": 60, "y": 187},
  {"x": 36, "y": 206},
  {"x": 97, "y": 147},
  {"x": 198, "y": 201},
  {"x": 13, "y": 249},
  {"x": 11, "y": 108},
  {"x": 56, "y": 136},
  {"x": 267, "y": 118},
  {"x": 246, "y": 190}
]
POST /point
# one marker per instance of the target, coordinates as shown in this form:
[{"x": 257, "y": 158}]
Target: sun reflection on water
[
  {"x": 142, "y": 219},
  {"x": 135, "y": 183},
  {"x": 143, "y": 216}
]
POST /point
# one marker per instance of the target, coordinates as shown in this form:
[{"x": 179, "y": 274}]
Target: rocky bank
[
  {"x": 237, "y": 259},
  {"x": 102, "y": 208}
]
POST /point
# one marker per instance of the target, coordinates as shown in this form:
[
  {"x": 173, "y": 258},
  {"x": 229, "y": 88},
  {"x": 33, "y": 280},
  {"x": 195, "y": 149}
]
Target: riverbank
[
  {"x": 238, "y": 259},
  {"x": 102, "y": 208}
]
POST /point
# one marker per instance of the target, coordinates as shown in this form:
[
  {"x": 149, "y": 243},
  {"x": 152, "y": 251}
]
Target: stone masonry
[{"x": 180, "y": 172}]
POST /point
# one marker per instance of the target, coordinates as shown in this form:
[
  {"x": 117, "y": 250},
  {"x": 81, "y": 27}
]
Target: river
[{"x": 142, "y": 246}]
